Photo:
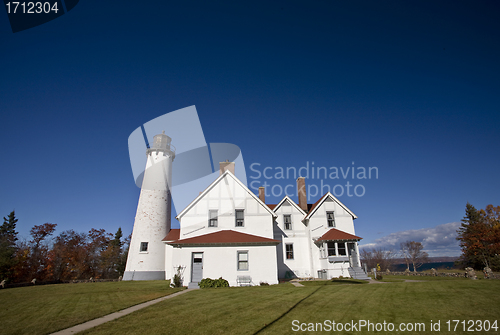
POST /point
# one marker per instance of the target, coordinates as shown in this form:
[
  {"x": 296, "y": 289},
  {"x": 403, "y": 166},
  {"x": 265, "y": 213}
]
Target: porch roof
[
  {"x": 338, "y": 235},
  {"x": 172, "y": 235}
]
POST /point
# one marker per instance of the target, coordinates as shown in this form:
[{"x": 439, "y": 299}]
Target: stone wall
[{"x": 435, "y": 274}]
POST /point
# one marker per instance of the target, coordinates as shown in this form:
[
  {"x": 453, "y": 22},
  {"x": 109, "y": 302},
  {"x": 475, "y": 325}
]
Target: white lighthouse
[{"x": 146, "y": 256}]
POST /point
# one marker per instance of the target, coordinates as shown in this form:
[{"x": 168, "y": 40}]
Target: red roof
[
  {"x": 311, "y": 207},
  {"x": 224, "y": 237},
  {"x": 172, "y": 235},
  {"x": 336, "y": 235}
]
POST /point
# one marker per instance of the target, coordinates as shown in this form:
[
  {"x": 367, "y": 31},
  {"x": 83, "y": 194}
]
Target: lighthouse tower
[{"x": 146, "y": 256}]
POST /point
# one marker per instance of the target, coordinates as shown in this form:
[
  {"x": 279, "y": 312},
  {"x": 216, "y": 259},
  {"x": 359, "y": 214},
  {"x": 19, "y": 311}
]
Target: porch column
[{"x": 357, "y": 252}]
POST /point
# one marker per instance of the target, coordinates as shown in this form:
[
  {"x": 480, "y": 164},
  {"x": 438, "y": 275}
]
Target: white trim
[
  {"x": 292, "y": 202},
  {"x": 334, "y": 199},
  {"x": 215, "y": 182}
]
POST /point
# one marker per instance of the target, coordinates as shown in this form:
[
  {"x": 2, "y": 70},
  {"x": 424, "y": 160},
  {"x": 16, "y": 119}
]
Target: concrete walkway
[
  {"x": 296, "y": 283},
  {"x": 116, "y": 315},
  {"x": 373, "y": 281}
]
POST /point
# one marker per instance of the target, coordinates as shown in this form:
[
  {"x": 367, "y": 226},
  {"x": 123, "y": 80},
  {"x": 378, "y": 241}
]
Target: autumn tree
[
  {"x": 38, "y": 250},
  {"x": 99, "y": 253},
  {"x": 68, "y": 256},
  {"x": 479, "y": 237},
  {"x": 413, "y": 254},
  {"x": 8, "y": 238}
]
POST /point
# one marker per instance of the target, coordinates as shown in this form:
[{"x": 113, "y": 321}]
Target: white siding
[
  {"x": 221, "y": 261},
  {"x": 298, "y": 236},
  {"x": 225, "y": 197}
]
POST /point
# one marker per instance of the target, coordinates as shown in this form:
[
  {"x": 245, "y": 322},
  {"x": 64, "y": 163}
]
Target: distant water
[{"x": 426, "y": 266}]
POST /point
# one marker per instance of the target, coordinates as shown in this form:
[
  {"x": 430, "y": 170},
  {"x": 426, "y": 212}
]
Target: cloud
[{"x": 437, "y": 241}]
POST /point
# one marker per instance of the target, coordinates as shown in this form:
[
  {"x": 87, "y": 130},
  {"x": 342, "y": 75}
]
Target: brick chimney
[
  {"x": 262, "y": 194},
  {"x": 301, "y": 190},
  {"x": 227, "y": 165}
]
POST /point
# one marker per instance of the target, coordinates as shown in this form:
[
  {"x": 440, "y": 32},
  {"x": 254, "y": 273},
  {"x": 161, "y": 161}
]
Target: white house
[{"x": 227, "y": 231}]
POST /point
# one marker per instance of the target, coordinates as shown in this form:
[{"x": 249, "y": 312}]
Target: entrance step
[
  {"x": 357, "y": 272},
  {"x": 193, "y": 285}
]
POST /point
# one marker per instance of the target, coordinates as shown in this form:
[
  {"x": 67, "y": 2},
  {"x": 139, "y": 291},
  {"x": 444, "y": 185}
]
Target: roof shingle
[
  {"x": 338, "y": 235},
  {"x": 172, "y": 235},
  {"x": 223, "y": 237}
]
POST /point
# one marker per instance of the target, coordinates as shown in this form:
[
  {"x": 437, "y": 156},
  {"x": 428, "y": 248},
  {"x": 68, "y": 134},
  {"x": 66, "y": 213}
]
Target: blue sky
[{"x": 411, "y": 88}]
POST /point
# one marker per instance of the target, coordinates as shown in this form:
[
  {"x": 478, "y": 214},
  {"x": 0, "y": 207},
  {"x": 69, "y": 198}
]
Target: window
[
  {"x": 212, "y": 221},
  {"x": 242, "y": 260},
  {"x": 341, "y": 249},
  {"x": 240, "y": 218},
  {"x": 331, "y": 219},
  {"x": 331, "y": 249},
  {"x": 144, "y": 246},
  {"x": 287, "y": 219},
  {"x": 289, "y": 251}
]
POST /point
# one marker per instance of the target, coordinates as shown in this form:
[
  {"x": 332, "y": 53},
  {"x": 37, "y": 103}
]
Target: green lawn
[
  {"x": 393, "y": 278},
  {"x": 48, "y": 308},
  {"x": 273, "y": 309},
  {"x": 333, "y": 282}
]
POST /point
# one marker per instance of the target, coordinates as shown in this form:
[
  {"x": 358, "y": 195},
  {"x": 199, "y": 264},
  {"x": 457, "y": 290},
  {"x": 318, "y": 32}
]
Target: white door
[{"x": 197, "y": 267}]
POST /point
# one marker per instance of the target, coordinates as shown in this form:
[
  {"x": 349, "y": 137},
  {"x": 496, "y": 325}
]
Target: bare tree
[
  {"x": 413, "y": 253},
  {"x": 378, "y": 257}
]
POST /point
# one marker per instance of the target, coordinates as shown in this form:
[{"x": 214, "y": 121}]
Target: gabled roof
[
  {"x": 224, "y": 237},
  {"x": 287, "y": 198},
  {"x": 318, "y": 203},
  {"x": 172, "y": 235},
  {"x": 338, "y": 235},
  {"x": 228, "y": 174}
]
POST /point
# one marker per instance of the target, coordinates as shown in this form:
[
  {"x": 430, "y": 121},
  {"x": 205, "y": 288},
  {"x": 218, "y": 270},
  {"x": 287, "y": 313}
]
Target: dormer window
[{"x": 330, "y": 219}]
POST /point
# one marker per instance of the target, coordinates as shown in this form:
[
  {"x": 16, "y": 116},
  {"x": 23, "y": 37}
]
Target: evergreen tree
[
  {"x": 117, "y": 242},
  {"x": 8, "y": 248},
  {"x": 122, "y": 263}
]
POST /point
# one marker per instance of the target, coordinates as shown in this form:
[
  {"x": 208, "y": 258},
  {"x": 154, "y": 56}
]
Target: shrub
[
  {"x": 263, "y": 283},
  {"x": 207, "y": 282},
  {"x": 177, "y": 282},
  {"x": 379, "y": 277}
]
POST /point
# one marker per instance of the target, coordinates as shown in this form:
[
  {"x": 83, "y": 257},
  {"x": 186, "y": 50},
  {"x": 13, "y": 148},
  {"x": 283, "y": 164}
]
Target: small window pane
[
  {"x": 144, "y": 246},
  {"x": 331, "y": 219},
  {"x": 242, "y": 260},
  {"x": 341, "y": 249},
  {"x": 289, "y": 251},
  {"x": 240, "y": 218},
  {"x": 243, "y": 256},
  {"x": 331, "y": 249},
  {"x": 212, "y": 222},
  {"x": 287, "y": 219}
]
